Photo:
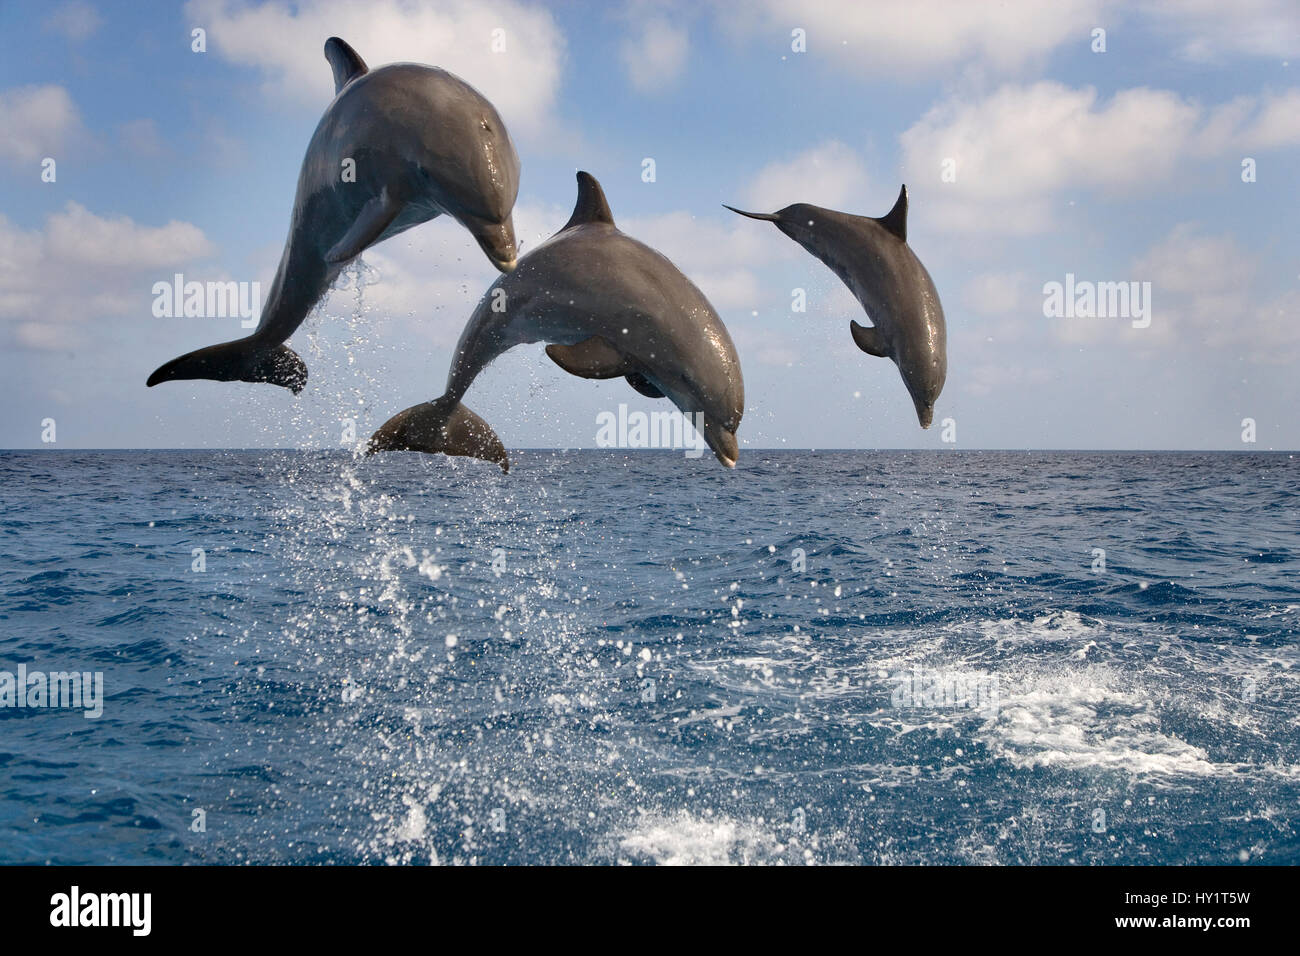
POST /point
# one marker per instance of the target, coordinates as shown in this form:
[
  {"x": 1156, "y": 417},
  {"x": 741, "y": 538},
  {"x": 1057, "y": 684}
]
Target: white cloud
[
  {"x": 656, "y": 58},
  {"x": 46, "y": 337},
  {"x": 78, "y": 237},
  {"x": 1212, "y": 31},
  {"x": 1205, "y": 296},
  {"x": 81, "y": 266},
  {"x": 830, "y": 175},
  {"x": 1000, "y": 293},
  {"x": 1274, "y": 329},
  {"x": 286, "y": 42},
  {"x": 920, "y": 36},
  {"x": 38, "y": 121},
  {"x": 1205, "y": 292},
  {"x": 1019, "y": 147},
  {"x": 723, "y": 259},
  {"x": 1037, "y": 139},
  {"x": 1277, "y": 123},
  {"x": 762, "y": 346},
  {"x": 1186, "y": 262},
  {"x": 913, "y": 40},
  {"x": 75, "y": 20}
]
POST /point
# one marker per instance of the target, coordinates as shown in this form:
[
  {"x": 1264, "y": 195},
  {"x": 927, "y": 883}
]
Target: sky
[{"x": 1162, "y": 151}]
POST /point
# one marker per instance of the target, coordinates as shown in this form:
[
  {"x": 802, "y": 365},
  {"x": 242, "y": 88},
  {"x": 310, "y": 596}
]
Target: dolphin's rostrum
[
  {"x": 609, "y": 307},
  {"x": 872, "y": 258},
  {"x": 398, "y": 146}
]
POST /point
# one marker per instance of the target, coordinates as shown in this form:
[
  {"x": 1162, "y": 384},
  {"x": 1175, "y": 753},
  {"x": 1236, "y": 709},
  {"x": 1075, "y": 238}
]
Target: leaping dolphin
[
  {"x": 610, "y": 307},
  {"x": 398, "y": 146},
  {"x": 872, "y": 258}
]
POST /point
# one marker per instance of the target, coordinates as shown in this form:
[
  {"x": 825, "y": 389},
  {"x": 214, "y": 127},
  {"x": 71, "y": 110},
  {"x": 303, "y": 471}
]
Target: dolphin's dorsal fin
[
  {"x": 896, "y": 219},
  {"x": 345, "y": 62},
  {"x": 591, "y": 205}
]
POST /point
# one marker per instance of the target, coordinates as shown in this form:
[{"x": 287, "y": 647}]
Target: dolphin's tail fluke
[
  {"x": 244, "y": 360},
  {"x": 445, "y": 426}
]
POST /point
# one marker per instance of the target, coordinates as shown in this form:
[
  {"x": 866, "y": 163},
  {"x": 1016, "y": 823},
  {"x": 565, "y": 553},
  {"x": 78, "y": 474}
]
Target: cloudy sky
[{"x": 1029, "y": 155}]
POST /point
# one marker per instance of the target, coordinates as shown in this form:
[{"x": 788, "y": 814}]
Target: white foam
[
  {"x": 685, "y": 839},
  {"x": 1089, "y": 717},
  {"x": 1069, "y": 626}
]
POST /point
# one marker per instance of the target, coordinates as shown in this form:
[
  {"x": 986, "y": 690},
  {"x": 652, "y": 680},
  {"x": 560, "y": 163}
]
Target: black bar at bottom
[{"x": 216, "y": 905}]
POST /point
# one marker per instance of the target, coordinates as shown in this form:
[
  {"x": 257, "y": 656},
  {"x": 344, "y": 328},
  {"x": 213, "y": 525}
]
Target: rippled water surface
[{"x": 637, "y": 657}]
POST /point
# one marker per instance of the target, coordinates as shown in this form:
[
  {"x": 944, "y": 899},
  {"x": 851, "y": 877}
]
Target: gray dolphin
[
  {"x": 872, "y": 258},
  {"x": 610, "y": 307},
  {"x": 421, "y": 142}
]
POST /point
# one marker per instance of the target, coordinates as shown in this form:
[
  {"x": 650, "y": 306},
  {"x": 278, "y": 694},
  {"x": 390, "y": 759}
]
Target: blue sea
[{"x": 634, "y": 657}]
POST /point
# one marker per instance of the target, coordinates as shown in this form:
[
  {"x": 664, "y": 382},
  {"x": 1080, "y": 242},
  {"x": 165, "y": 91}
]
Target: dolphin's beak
[
  {"x": 496, "y": 239},
  {"x": 724, "y": 444},
  {"x": 765, "y": 216},
  {"x": 925, "y": 413}
]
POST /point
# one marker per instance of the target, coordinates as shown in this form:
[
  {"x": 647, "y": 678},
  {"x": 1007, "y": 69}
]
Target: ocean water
[{"x": 631, "y": 657}]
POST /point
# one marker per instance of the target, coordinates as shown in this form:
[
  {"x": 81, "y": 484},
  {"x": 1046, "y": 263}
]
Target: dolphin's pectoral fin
[
  {"x": 344, "y": 63},
  {"x": 590, "y": 358},
  {"x": 868, "y": 339},
  {"x": 440, "y": 426},
  {"x": 376, "y": 216},
  {"x": 643, "y": 385}
]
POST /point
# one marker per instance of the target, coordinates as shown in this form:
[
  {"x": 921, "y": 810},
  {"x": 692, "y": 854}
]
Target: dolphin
[
  {"x": 610, "y": 307},
  {"x": 398, "y": 146},
  {"x": 872, "y": 258}
]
